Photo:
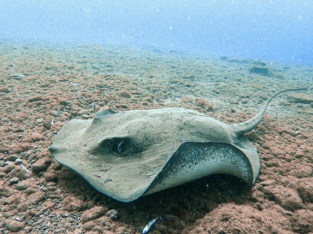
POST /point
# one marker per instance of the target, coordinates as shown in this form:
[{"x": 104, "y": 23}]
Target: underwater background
[
  {"x": 280, "y": 30},
  {"x": 64, "y": 60}
]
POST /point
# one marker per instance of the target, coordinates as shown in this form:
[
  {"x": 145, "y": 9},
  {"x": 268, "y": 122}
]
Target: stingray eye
[
  {"x": 104, "y": 147},
  {"x": 120, "y": 146},
  {"x": 117, "y": 145}
]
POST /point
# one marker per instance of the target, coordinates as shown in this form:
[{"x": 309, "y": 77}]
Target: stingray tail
[{"x": 250, "y": 124}]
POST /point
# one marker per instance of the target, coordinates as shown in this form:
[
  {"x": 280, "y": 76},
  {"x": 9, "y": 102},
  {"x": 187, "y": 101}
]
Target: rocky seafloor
[{"x": 39, "y": 83}]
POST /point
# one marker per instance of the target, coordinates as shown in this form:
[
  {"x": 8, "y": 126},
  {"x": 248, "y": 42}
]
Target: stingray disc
[{"x": 129, "y": 154}]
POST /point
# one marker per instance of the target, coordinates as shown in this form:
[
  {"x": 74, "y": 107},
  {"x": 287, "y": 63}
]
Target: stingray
[{"x": 130, "y": 154}]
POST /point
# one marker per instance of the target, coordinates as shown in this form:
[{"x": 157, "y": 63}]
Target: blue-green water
[{"x": 279, "y": 30}]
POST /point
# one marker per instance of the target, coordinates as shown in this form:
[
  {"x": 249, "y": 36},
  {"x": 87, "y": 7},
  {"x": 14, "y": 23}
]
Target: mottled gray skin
[{"x": 130, "y": 154}]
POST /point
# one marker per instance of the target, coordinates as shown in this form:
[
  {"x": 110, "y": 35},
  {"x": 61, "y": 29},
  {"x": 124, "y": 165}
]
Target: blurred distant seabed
[{"x": 279, "y": 30}]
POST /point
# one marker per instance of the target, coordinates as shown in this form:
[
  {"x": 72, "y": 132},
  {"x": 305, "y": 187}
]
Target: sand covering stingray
[{"x": 130, "y": 154}]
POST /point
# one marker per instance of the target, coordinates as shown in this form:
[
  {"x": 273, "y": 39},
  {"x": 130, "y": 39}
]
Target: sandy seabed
[{"x": 39, "y": 83}]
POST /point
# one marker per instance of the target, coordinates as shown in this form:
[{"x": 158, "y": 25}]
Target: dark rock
[
  {"x": 36, "y": 136},
  {"x": 22, "y": 185},
  {"x": 8, "y": 168},
  {"x": 11, "y": 158},
  {"x": 14, "y": 180},
  {"x": 50, "y": 177},
  {"x": 301, "y": 98},
  {"x": 36, "y": 197},
  {"x": 260, "y": 71},
  {"x": 35, "y": 98},
  {"x": 93, "y": 213},
  {"x": 286, "y": 197},
  {"x": 20, "y": 173},
  {"x": 4, "y": 90},
  {"x": 302, "y": 221},
  {"x": 41, "y": 165},
  {"x": 14, "y": 225},
  {"x": 125, "y": 94}
]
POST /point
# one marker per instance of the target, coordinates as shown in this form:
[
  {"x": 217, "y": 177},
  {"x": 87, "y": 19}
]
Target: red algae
[{"x": 54, "y": 198}]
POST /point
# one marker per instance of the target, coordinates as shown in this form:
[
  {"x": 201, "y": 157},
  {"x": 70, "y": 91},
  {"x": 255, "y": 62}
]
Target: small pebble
[
  {"x": 49, "y": 184},
  {"x": 25, "y": 155},
  {"x": 85, "y": 111},
  {"x": 55, "y": 113},
  {"x": 64, "y": 215},
  {"x": 288, "y": 213},
  {"x": 112, "y": 214},
  {"x": 40, "y": 120},
  {"x": 267, "y": 182},
  {"x": 18, "y": 76},
  {"x": 18, "y": 161},
  {"x": 14, "y": 180}
]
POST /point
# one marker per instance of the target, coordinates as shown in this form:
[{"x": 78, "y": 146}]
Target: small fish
[
  {"x": 150, "y": 225},
  {"x": 51, "y": 122}
]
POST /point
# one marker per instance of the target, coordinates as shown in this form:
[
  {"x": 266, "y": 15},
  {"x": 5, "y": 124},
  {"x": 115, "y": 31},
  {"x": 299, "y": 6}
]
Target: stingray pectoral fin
[
  {"x": 246, "y": 146},
  {"x": 195, "y": 160},
  {"x": 254, "y": 160}
]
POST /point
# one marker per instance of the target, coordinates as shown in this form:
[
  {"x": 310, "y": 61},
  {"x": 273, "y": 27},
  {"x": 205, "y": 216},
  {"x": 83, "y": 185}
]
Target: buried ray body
[{"x": 130, "y": 154}]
